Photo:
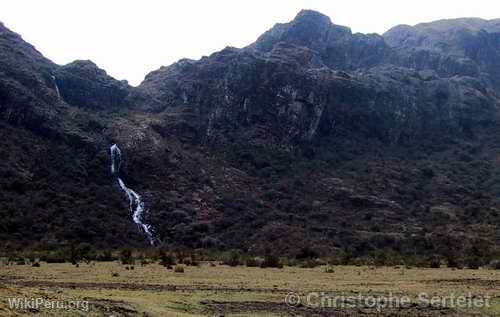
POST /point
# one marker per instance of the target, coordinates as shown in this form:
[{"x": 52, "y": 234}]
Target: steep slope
[
  {"x": 333, "y": 158},
  {"x": 280, "y": 85},
  {"x": 465, "y": 47},
  {"x": 311, "y": 136},
  {"x": 54, "y": 183},
  {"x": 334, "y": 46}
]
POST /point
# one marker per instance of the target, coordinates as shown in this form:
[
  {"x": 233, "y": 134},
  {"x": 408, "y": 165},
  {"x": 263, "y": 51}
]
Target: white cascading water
[
  {"x": 136, "y": 204},
  {"x": 57, "y": 87}
]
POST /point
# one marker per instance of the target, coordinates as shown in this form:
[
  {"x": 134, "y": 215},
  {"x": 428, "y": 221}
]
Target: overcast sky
[{"x": 131, "y": 38}]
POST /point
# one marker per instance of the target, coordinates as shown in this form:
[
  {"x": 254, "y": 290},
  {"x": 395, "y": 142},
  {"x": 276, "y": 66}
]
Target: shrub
[
  {"x": 434, "y": 263},
  {"x": 473, "y": 263},
  {"x": 105, "y": 256},
  {"x": 310, "y": 264},
  {"x": 421, "y": 263},
  {"x": 55, "y": 257},
  {"x": 329, "y": 269},
  {"x": 452, "y": 263},
  {"x": 307, "y": 253},
  {"x": 271, "y": 261},
  {"x": 190, "y": 261},
  {"x": 126, "y": 257},
  {"x": 32, "y": 258},
  {"x": 193, "y": 262},
  {"x": 179, "y": 269},
  {"x": 232, "y": 258},
  {"x": 252, "y": 262},
  {"x": 80, "y": 252},
  {"x": 290, "y": 261},
  {"x": 167, "y": 259},
  {"x": 20, "y": 261}
]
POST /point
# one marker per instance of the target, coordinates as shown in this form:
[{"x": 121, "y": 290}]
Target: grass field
[{"x": 207, "y": 290}]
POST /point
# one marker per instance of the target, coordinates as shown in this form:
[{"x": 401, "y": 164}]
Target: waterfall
[
  {"x": 57, "y": 87},
  {"x": 135, "y": 202}
]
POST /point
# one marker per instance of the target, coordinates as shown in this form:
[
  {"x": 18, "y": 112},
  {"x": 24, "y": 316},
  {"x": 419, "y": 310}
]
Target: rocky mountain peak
[
  {"x": 335, "y": 46},
  {"x": 308, "y": 29},
  {"x": 84, "y": 84},
  {"x": 440, "y": 34},
  {"x": 312, "y": 19},
  {"x": 466, "y": 47}
]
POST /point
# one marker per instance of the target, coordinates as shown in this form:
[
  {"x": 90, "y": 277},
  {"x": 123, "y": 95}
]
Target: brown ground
[{"x": 240, "y": 291}]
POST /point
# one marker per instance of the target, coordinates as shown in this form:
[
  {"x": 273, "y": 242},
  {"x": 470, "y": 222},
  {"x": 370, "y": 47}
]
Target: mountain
[
  {"x": 311, "y": 137},
  {"x": 463, "y": 47}
]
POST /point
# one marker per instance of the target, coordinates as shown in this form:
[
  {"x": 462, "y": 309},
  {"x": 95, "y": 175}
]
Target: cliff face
[
  {"x": 83, "y": 84},
  {"x": 463, "y": 47},
  {"x": 310, "y": 75},
  {"x": 348, "y": 142},
  {"x": 335, "y": 46}
]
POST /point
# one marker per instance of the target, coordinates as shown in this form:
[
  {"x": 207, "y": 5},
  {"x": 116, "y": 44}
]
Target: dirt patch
[
  {"x": 136, "y": 287},
  {"x": 112, "y": 308},
  {"x": 466, "y": 281},
  {"x": 282, "y": 309}
]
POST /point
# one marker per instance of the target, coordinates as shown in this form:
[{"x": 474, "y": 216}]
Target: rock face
[
  {"x": 334, "y": 46},
  {"x": 349, "y": 143},
  {"x": 463, "y": 47},
  {"x": 292, "y": 78},
  {"x": 82, "y": 83}
]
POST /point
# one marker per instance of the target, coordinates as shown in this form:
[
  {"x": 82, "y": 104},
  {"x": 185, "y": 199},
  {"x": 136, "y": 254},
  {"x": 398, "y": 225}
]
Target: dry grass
[{"x": 204, "y": 290}]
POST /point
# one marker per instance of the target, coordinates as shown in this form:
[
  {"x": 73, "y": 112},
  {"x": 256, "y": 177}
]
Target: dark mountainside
[{"x": 349, "y": 144}]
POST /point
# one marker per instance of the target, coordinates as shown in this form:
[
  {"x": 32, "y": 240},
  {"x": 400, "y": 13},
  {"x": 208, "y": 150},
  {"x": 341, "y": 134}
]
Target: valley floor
[{"x": 217, "y": 290}]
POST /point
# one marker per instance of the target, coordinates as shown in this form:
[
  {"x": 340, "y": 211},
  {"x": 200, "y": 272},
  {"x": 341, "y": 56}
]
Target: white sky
[{"x": 131, "y": 38}]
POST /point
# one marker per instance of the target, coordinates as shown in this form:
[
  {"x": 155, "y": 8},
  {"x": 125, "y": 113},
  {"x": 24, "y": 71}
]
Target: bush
[
  {"x": 252, "y": 262},
  {"x": 290, "y": 261},
  {"x": 106, "y": 256},
  {"x": 271, "y": 261},
  {"x": 55, "y": 257},
  {"x": 307, "y": 253},
  {"x": 434, "y": 263},
  {"x": 310, "y": 264},
  {"x": 20, "y": 261},
  {"x": 80, "y": 252},
  {"x": 453, "y": 263},
  {"x": 190, "y": 261},
  {"x": 179, "y": 269},
  {"x": 167, "y": 259},
  {"x": 126, "y": 257},
  {"x": 329, "y": 269},
  {"x": 232, "y": 258},
  {"x": 473, "y": 263}
]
